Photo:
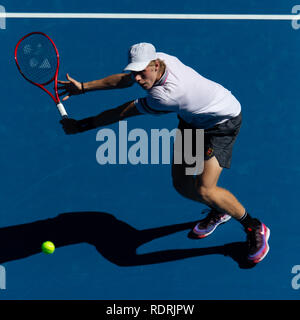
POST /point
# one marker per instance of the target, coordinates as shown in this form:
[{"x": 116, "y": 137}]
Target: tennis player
[{"x": 199, "y": 103}]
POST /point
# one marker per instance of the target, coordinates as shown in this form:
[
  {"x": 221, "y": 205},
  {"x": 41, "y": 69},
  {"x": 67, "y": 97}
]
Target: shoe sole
[
  {"x": 211, "y": 231},
  {"x": 268, "y": 232}
]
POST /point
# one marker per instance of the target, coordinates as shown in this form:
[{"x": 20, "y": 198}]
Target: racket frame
[{"x": 54, "y": 78}]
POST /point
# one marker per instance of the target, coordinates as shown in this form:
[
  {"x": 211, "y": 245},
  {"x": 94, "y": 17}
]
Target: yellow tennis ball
[{"x": 48, "y": 247}]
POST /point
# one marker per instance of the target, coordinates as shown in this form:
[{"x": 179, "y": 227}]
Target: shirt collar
[{"x": 163, "y": 79}]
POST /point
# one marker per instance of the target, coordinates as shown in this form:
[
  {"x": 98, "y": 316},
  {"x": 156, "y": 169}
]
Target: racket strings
[{"x": 37, "y": 59}]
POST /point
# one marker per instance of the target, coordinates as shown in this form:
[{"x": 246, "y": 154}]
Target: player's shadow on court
[{"x": 115, "y": 240}]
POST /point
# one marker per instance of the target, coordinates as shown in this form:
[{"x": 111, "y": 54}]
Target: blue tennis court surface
[{"x": 121, "y": 230}]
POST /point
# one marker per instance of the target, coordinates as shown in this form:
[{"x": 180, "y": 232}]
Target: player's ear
[{"x": 157, "y": 65}]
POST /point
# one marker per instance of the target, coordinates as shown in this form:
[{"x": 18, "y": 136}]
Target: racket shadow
[{"x": 115, "y": 240}]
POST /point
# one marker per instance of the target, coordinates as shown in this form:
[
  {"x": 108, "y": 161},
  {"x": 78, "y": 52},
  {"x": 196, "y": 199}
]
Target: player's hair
[{"x": 162, "y": 65}]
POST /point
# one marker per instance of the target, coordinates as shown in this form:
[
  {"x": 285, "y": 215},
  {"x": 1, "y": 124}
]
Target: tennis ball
[{"x": 48, "y": 247}]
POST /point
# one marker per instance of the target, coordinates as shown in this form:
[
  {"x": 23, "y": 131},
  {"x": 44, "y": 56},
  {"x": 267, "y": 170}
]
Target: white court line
[{"x": 149, "y": 16}]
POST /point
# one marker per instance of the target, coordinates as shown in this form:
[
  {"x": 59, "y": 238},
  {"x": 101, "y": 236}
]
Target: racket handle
[{"x": 62, "y": 110}]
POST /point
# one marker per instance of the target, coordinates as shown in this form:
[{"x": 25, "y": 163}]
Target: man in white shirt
[{"x": 200, "y": 104}]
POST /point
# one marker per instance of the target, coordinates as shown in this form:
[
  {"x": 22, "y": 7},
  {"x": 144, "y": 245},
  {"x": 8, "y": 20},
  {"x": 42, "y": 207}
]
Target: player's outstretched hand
[
  {"x": 70, "y": 126},
  {"x": 69, "y": 88}
]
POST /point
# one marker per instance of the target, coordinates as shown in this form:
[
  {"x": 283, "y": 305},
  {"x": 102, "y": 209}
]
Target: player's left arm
[{"x": 72, "y": 87}]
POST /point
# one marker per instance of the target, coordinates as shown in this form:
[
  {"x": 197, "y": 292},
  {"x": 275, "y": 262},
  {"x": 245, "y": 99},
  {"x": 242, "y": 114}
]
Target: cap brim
[{"x": 137, "y": 66}]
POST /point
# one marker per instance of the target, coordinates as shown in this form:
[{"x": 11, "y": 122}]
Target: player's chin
[{"x": 145, "y": 86}]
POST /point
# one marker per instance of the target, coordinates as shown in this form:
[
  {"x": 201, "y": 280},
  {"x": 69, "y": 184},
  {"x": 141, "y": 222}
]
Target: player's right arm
[
  {"x": 126, "y": 110},
  {"x": 73, "y": 87}
]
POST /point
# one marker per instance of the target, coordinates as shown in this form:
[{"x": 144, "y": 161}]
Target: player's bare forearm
[
  {"x": 105, "y": 118},
  {"x": 72, "y": 87},
  {"x": 115, "y": 81}
]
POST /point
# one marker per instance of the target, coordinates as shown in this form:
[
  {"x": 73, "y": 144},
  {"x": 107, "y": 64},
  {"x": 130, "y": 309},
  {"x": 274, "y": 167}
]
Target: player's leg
[
  {"x": 226, "y": 205},
  {"x": 214, "y": 196},
  {"x": 199, "y": 189},
  {"x": 203, "y": 188},
  {"x": 222, "y": 202}
]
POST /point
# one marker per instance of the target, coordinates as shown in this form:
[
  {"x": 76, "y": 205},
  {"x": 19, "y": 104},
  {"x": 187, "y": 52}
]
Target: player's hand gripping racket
[{"x": 37, "y": 59}]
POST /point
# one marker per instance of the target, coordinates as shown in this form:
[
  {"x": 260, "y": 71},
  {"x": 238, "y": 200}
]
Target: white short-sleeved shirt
[{"x": 199, "y": 101}]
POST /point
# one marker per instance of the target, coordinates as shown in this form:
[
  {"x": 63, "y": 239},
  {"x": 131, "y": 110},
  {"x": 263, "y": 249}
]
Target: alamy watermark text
[{"x": 185, "y": 149}]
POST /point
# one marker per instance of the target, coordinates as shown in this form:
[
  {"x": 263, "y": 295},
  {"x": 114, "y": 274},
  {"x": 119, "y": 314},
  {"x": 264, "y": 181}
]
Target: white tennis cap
[{"x": 140, "y": 55}]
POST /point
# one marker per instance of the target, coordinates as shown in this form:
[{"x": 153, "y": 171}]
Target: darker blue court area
[{"x": 121, "y": 231}]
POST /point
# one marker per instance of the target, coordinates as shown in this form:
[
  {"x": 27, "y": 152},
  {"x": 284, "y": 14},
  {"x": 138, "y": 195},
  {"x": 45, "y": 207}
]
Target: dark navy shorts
[{"x": 218, "y": 140}]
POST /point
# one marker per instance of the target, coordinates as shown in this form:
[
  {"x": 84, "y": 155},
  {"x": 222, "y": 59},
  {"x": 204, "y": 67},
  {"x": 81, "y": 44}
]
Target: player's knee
[{"x": 204, "y": 193}]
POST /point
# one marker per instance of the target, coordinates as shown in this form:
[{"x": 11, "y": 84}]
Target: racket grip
[{"x": 62, "y": 110}]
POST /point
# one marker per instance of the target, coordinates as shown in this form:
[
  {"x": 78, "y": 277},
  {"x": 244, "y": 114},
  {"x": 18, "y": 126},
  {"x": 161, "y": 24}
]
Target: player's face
[{"x": 147, "y": 77}]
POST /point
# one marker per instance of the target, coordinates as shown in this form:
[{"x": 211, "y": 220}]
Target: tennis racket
[{"x": 37, "y": 60}]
